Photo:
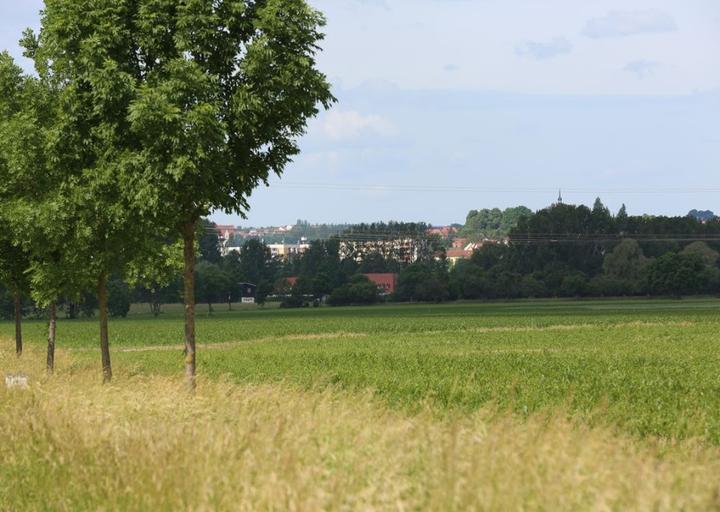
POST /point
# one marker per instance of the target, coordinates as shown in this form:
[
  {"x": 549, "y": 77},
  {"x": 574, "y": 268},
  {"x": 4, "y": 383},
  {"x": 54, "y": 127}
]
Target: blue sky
[{"x": 451, "y": 105}]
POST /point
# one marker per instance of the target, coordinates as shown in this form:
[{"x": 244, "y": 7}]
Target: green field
[
  {"x": 539, "y": 405},
  {"x": 649, "y": 368}
]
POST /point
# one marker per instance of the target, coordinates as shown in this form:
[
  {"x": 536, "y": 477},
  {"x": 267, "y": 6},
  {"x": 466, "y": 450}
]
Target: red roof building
[
  {"x": 455, "y": 255},
  {"x": 386, "y": 283},
  {"x": 225, "y": 231},
  {"x": 443, "y": 231}
]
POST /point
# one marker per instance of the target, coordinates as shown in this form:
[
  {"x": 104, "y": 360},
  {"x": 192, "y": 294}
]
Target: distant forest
[{"x": 570, "y": 251}]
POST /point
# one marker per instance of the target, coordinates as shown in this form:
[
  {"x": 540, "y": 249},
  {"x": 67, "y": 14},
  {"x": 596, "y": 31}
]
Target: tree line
[
  {"x": 575, "y": 251},
  {"x": 141, "y": 118},
  {"x": 561, "y": 251}
]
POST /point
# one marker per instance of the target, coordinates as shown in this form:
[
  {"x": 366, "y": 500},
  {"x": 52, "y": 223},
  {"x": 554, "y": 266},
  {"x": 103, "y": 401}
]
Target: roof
[
  {"x": 381, "y": 277},
  {"x": 458, "y": 253}
]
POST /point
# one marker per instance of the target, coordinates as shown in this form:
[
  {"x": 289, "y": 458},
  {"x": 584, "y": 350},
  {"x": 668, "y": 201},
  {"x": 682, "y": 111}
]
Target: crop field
[{"x": 548, "y": 405}]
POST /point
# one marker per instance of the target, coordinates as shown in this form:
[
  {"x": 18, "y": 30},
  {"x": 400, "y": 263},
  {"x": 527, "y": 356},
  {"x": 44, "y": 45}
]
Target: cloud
[
  {"x": 628, "y": 23},
  {"x": 641, "y": 68},
  {"x": 349, "y": 124},
  {"x": 451, "y": 67},
  {"x": 544, "y": 50}
]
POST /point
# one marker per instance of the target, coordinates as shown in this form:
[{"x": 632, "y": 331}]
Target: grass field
[{"x": 534, "y": 405}]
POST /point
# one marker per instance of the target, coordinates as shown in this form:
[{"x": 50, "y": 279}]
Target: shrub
[
  {"x": 118, "y": 298},
  {"x": 358, "y": 291}
]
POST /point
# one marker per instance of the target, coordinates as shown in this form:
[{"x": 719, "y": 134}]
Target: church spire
[{"x": 560, "y": 199}]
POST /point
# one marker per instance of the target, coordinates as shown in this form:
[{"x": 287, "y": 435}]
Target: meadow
[{"x": 560, "y": 405}]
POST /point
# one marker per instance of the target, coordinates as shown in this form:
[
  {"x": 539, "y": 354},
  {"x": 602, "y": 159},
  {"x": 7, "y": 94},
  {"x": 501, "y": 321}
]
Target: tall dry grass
[{"x": 69, "y": 443}]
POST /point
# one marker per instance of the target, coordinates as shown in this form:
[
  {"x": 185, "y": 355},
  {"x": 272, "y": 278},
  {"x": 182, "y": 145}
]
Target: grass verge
[{"x": 141, "y": 443}]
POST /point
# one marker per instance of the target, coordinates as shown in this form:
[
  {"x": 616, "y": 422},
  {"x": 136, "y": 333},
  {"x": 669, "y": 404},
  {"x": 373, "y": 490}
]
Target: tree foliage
[{"x": 492, "y": 223}]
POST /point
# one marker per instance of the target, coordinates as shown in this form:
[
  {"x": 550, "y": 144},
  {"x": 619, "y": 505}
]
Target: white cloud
[
  {"x": 350, "y": 124},
  {"x": 641, "y": 68},
  {"x": 544, "y": 50},
  {"x": 628, "y": 23}
]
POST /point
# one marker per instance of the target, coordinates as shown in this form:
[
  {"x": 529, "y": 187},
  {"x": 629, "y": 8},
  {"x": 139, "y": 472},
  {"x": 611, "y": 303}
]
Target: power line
[{"x": 503, "y": 190}]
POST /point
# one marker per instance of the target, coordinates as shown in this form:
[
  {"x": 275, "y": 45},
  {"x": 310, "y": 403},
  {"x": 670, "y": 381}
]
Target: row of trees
[
  {"x": 143, "y": 117},
  {"x": 561, "y": 251},
  {"x": 572, "y": 251}
]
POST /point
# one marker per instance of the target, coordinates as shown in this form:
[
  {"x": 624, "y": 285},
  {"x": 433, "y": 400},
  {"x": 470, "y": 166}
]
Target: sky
[{"x": 450, "y": 105}]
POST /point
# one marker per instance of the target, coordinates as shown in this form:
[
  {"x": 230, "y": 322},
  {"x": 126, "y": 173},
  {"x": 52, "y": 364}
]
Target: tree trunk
[
  {"x": 189, "y": 296},
  {"x": 104, "y": 338},
  {"x": 154, "y": 303},
  {"x": 52, "y": 328},
  {"x": 18, "y": 324}
]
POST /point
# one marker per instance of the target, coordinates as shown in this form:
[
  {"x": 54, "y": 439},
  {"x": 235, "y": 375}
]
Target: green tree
[
  {"x": 211, "y": 283},
  {"x": 100, "y": 227},
  {"x": 254, "y": 262},
  {"x": 675, "y": 274},
  {"x": 420, "y": 281},
  {"x": 118, "y": 298},
  {"x": 14, "y": 265},
  {"x": 707, "y": 255},
  {"x": 492, "y": 223},
  {"x": 209, "y": 241},
  {"x": 31, "y": 197},
  {"x": 221, "y": 93},
  {"x": 14, "y": 259},
  {"x": 163, "y": 118},
  {"x": 602, "y": 220},
  {"x": 626, "y": 262},
  {"x": 360, "y": 290},
  {"x": 621, "y": 219}
]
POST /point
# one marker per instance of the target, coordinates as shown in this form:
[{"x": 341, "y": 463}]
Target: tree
[
  {"x": 14, "y": 263},
  {"x": 602, "y": 220},
  {"x": 702, "y": 215},
  {"x": 101, "y": 64},
  {"x": 173, "y": 110},
  {"x": 621, "y": 219},
  {"x": 376, "y": 263},
  {"x": 707, "y": 255},
  {"x": 118, "y": 298},
  {"x": 203, "y": 101},
  {"x": 29, "y": 195},
  {"x": 626, "y": 260},
  {"x": 675, "y": 274},
  {"x": 211, "y": 284},
  {"x": 360, "y": 290},
  {"x": 493, "y": 224},
  {"x": 422, "y": 282},
  {"x": 27, "y": 191},
  {"x": 209, "y": 241},
  {"x": 254, "y": 259}
]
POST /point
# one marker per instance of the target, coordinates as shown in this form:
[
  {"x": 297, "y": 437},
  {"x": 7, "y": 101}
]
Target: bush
[
  {"x": 574, "y": 285},
  {"x": 296, "y": 300},
  {"x": 358, "y": 291},
  {"x": 422, "y": 282},
  {"x": 118, "y": 298},
  {"x": 532, "y": 287},
  {"x": 608, "y": 286},
  {"x": 675, "y": 274}
]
